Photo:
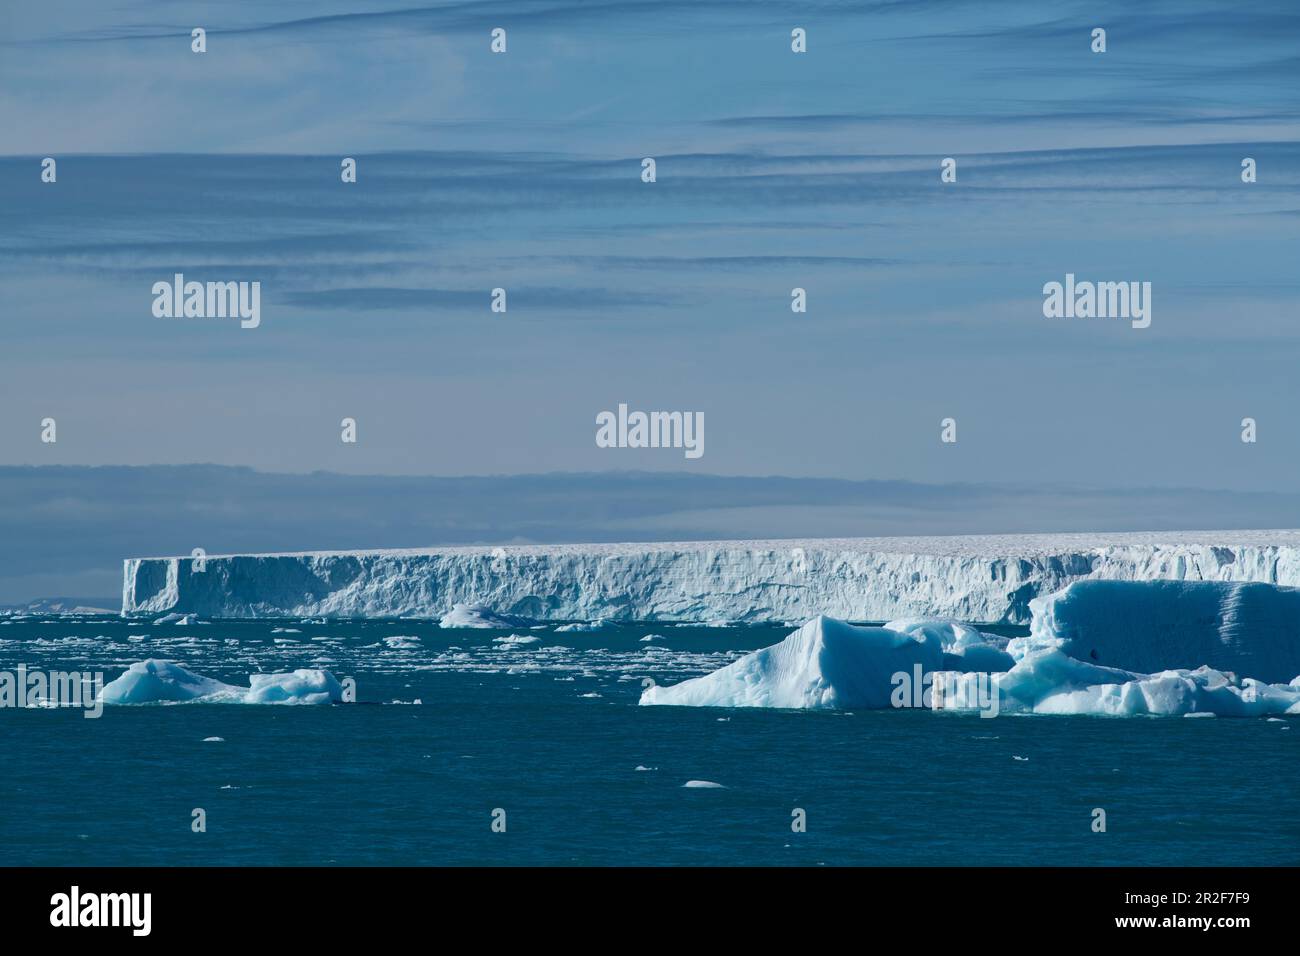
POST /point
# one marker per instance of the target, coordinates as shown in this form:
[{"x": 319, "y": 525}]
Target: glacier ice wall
[{"x": 975, "y": 578}]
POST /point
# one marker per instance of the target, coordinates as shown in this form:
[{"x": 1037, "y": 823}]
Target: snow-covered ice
[{"x": 973, "y": 578}]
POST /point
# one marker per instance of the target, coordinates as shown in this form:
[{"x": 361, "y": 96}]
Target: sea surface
[{"x": 454, "y": 729}]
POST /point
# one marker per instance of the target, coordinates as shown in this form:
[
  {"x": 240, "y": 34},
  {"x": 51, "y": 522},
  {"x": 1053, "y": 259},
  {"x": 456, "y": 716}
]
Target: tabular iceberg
[{"x": 974, "y": 578}]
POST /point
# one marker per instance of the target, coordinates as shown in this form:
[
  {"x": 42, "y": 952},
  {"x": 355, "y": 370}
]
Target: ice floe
[{"x": 156, "y": 681}]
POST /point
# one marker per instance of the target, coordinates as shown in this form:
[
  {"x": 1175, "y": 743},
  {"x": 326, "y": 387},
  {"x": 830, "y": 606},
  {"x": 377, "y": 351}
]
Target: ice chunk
[
  {"x": 824, "y": 664},
  {"x": 155, "y": 681},
  {"x": 403, "y": 642},
  {"x": 180, "y": 620},
  {"x": 307, "y": 686},
  {"x": 1047, "y": 681},
  {"x": 516, "y": 639},
  {"x": 476, "y": 615}
]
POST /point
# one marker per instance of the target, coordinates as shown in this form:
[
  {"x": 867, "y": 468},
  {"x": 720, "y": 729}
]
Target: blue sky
[{"x": 775, "y": 170}]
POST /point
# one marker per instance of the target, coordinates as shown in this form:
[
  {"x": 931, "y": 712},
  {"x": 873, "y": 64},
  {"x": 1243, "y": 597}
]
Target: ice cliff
[{"x": 975, "y": 578}]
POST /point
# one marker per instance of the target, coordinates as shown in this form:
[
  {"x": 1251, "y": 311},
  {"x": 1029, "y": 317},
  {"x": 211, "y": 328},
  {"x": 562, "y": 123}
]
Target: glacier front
[{"x": 985, "y": 578}]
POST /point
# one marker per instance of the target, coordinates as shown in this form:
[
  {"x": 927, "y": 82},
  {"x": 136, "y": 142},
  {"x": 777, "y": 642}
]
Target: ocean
[{"x": 526, "y": 747}]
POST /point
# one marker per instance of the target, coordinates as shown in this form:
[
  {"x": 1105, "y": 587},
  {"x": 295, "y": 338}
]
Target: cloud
[{"x": 67, "y": 529}]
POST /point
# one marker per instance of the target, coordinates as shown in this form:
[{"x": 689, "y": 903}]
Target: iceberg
[
  {"x": 1057, "y": 669},
  {"x": 964, "y": 648},
  {"x": 155, "y": 682},
  {"x": 1149, "y": 626},
  {"x": 476, "y": 615},
  {"x": 826, "y": 664},
  {"x": 180, "y": 620},
  {"x": 990, "y": 578},
  {"x": 1050, "y": 682}
]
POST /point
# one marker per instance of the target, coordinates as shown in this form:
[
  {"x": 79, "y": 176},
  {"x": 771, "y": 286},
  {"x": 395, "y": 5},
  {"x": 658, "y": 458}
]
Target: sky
[
  {"x": 67, "y": 528},
  {"x": 775, "y": 170}
]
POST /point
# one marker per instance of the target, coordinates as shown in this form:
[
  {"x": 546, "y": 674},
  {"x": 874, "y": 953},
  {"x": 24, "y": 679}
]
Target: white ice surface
[
  {"x": 973, "y": 578},
  {"x": 826, "y": 664},
  {"x": 830, "y": 664},
  {"x": 476, "y": 615},
  {"x": 155, "y": 681},
  {"x": 1148, "y": 626}
]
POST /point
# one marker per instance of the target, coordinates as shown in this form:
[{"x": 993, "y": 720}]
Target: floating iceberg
[
  {"x": 825, "y": 664},
  {"x": 476, "y": 615},
  {"x": 1153, "y": 625},
  {"x": 989, "y": 578},
  {"x": 964, "y": 648},
  {"x": 180, "y": 620},
  {"x": 154, "y": 681},
  {"x": 1055, "y": 670},
  {"x": 516, "y": 639},
  {"x": 1050, "y": 682}
]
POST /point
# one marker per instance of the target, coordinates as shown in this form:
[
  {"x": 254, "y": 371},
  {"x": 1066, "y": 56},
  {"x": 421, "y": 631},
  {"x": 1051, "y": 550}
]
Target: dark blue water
[{"x": 550, "y": 733}]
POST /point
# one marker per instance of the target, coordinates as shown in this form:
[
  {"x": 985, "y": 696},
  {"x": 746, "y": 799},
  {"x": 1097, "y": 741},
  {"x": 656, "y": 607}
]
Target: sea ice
[
  {"x": 580, "y": 626},
  {"x": 476, "y": 615},
  {"x": 516, "y": 639},
  {"x": 403, "y": 642}
]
